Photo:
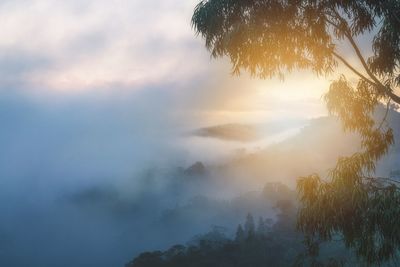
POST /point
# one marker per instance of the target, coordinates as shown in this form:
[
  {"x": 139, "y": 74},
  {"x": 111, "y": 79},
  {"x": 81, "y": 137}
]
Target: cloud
[
  {"x": 74, "y": 46},
  {"x": 92, "y": 43}
]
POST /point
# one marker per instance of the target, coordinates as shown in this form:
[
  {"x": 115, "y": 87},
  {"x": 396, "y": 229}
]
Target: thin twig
[
  {"x": 389, "y": 180},
  {"x": 344, "y": 61},
  {"x": 386, "y": 114},
  {"x": 347, "y": 33}
]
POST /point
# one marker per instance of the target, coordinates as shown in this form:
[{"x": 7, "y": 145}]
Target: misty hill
[
  {"x": 162, "y": 207},
  {"x": 196, "y": 169},
  {"x": 201, "y": 212},
  {"x": 230, "y": 132},
  {"x": 314, "y": 149},
  {"x": 246, "y": 132},
  {"x": 189, "y": 216}
]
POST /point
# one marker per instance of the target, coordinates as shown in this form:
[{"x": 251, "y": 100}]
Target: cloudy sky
[
  {"x": 87, "y": 87},
  {"x": 101, "y": 48},
  {"x": 96, "y": 85}
]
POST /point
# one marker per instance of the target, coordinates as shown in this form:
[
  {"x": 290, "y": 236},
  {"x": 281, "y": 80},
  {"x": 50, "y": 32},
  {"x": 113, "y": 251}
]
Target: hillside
[{"x": 314, "y": 149}]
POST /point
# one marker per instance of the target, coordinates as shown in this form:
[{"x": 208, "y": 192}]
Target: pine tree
[
  {"x": 249, "y": 226},
  {"x": 240, "y": 236},
  {"x": 261, "y": 227}
]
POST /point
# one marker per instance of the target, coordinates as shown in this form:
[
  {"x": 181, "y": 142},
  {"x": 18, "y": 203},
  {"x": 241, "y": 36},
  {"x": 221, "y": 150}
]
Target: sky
[
  {"x": 85, "y": 81},
  {"x": 97, "y": 92},
  {"x": 53, "y": 49}
]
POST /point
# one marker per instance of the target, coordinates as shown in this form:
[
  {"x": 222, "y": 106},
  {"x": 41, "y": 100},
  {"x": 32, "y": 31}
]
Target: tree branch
[
  {"x": 381, "y": 87},
  {"x": 384, "y": 179},
  {"x": 364, "y": 63},
  {"x": 394, "y": 97},
  {"x": 344, "y": 61},
  {"x": 386, "y": 114}
]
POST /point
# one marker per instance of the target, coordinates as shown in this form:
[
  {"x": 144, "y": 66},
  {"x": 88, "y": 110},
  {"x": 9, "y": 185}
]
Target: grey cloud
[
  {"x": 89, "y": 43},
  {"x": 15, "y": 63}
]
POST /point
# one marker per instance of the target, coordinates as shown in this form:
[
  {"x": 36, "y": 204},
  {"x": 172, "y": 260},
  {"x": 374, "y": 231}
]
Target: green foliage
[
  {"x": 271, "y": 38},
  {"x": 362, "y": 208},
  {"x": 268, "y": 38}
]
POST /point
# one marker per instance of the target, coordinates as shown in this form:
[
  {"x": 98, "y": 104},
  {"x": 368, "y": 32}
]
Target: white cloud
[
  {"x": 92, "y": 43},
  {"x": 80, "y": 45}
]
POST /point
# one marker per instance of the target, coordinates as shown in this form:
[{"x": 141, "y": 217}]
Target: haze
[{"x": 101, "y": 104}]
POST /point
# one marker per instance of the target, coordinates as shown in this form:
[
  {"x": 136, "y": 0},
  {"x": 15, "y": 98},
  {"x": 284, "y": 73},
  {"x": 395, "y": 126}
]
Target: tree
[
  {"x": 262, "y": 228},
  {"x": 249, "y": 227},
  {"x": 239, "y": 234},
  {"x": 270, "y": 38},
  {"x": 269, "y": 249}
]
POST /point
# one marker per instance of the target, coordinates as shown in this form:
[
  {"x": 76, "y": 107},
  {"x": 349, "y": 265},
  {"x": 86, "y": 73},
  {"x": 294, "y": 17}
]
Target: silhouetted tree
[
  {"x": 271, "y": 38},
  {"x": 249, "y": 227},
  {"x": 153, "y": 259},
  {"x": 277, "y": 192},
  {"x": 261, "y": 227},
  {"x": 240, "y": 236}
]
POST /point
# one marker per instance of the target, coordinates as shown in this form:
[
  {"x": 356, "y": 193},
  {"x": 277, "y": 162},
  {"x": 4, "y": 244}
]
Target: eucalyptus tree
[{"x": 270, "y": 38}]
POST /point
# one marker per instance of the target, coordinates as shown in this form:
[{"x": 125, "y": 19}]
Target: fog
[
  {"x": 52, "y": 148},
  {"x": 91, "y": 180},
  {"x": 108, "y": 148}
]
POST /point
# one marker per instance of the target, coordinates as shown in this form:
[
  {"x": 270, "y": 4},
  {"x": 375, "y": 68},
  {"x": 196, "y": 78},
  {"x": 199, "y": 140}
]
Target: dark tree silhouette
[
  {"x": 272, "y": 37},
  {"x": 261, "y": 227},
  {"x": 240, "y": 236},
  {"x": 249, "y": 227}
]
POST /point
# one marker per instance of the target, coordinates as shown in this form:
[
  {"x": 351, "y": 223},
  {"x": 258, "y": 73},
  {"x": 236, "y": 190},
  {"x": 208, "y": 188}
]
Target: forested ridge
[{"x": 257, "y": 242}]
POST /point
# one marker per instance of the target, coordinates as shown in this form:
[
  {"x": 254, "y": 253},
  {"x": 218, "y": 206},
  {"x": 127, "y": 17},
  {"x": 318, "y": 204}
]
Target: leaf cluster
[
  {"x": 363, "y": 209},
  {"x": 271, "y": 37}
]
